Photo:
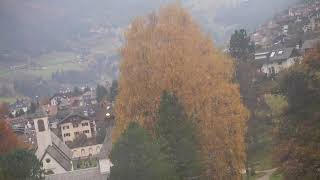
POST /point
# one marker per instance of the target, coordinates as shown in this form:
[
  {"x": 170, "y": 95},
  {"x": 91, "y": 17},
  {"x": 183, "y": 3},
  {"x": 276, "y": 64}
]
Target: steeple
[{"x": 43, "y": 132}]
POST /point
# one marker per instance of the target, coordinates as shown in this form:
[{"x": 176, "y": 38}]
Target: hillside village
[
  {"x": 283, "y": 40},
  {"x": 69, "y": 133}
]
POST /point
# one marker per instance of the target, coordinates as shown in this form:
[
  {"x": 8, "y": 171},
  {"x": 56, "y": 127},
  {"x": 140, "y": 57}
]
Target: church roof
[
  {"x": 59, "y": 157},
  {"x": 59, "y": 152},
  {"x": 73, "y": 117},
  {"x": 61, "y": 146}
]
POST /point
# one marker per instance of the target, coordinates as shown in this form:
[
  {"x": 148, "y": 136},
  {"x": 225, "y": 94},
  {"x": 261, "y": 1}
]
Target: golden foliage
[
  {"x": 168, "y": 51},
  {"x": 8, "y": 139}
]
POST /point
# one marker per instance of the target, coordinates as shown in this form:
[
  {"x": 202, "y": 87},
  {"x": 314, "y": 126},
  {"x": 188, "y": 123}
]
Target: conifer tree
[
  {"x": 136, "y": 156},
  {"x": 179, "y": 134}
]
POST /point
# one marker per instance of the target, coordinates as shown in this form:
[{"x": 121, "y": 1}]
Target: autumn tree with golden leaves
[
  {"x": 8, "y": 138},
  {"x": 168, "y": 51}
]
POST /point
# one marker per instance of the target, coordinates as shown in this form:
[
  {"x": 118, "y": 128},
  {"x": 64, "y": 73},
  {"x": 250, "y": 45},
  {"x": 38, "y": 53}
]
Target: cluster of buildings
[
  {"x": 20, "y": 107},
  {"x": 70, "y": 134},
  {"x": 284, "y": 40}
]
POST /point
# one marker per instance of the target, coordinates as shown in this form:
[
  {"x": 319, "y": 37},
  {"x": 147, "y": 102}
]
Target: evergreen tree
[
  {"x": 113, "y": 91},
  {"x": 136, "y": 156},
  {"x": 241, "y": 46},
  {"x": 33, "y": 108},
  {"x": 19, "y": 112},
  {"x": 20, "y": 164},
  {"x": 101, "y": 92},
  {"x": 77, "y": 91},
  {"x": 178, "y": 133}
]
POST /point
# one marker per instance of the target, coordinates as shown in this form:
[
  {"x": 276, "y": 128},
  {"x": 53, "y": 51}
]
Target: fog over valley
[{"x": 38, "y": 26}]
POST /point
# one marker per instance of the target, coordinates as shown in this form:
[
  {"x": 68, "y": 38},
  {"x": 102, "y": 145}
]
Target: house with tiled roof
[
  {"x": 275, "y": 60},
  {"x": 76, "y": 124}
]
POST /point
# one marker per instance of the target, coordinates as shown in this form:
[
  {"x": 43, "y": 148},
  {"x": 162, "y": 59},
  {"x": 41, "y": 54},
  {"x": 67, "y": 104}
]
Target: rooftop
[{"x": 59, "y": 157}]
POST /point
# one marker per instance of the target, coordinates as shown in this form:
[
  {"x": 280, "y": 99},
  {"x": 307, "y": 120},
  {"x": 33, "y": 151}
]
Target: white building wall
[
  {"x": 105, "y": 166},
  {"x": 69, "y": 132},
  {"x": 52, "y": 165},
  {"x": 43, "y": 137},
  {"x": 266, "y": 68},
  {"x": 86, "y": 151}
]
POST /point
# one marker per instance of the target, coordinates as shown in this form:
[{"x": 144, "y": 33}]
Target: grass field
[
  {"x": 276, "y": 176},
  {"x": 262, "y": 160},
  {"x": 50, "y": 62},
  {"x": 7, "y": 99},
  {"x": 49, "y": 69}
]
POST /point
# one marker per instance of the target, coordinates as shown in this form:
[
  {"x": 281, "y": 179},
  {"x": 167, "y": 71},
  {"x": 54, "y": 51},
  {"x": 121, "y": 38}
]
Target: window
[
  {"x": 75, "y": 125},
  {"x": 76, "y": 133},
  {"x": 272, "y": 54},
  {"x": 82, "y": 152},
  {"x": 48, "y": 160},
  {"x": 86, "y": 131},
  {"x": 66, "y": 135},
  {"x": 41, "y": 126},
  {"x": 66, "y": 127},
  {"x": 85, "y": 124}
]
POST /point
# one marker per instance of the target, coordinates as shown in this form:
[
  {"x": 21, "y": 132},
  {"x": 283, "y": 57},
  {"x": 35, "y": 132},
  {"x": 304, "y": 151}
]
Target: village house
[
  {"x": 74, "y": 125},
  {"x": 274, "y": 61},
  {"x": 314, "y": 18},
  {"x": 56, "y": 99},
  {"x": 284, "y": 27},
  {"x": 58, "y": 159},
  {"x": 21, "y": 105}
]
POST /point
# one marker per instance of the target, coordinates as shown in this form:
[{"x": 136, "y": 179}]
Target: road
[{"x": 268, "y": 174}]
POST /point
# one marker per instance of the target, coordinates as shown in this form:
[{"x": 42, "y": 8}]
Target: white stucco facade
[
  {"x": 43, "y": 134},
  {"x": 70, "y": 130},
  {"x": 276, "y": 67},
  {"x": 86, "y": 151},
  {"x": 50, "y": 163},
  {"x": 105, "y": 166}
]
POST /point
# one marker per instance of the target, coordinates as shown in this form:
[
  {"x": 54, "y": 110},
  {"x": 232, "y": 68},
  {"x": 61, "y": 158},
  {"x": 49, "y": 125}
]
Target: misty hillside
[
  {"x": 252, "y": 13},
  {"x": 38, "y": 26}
]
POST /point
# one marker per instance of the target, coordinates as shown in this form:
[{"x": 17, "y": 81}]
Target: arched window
[
  {"x": 98, "y": 149},
  {"x": 90, "y": 150},
  {"x": 82, "y": 152},
  {"x": 41, "y": 126}
]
